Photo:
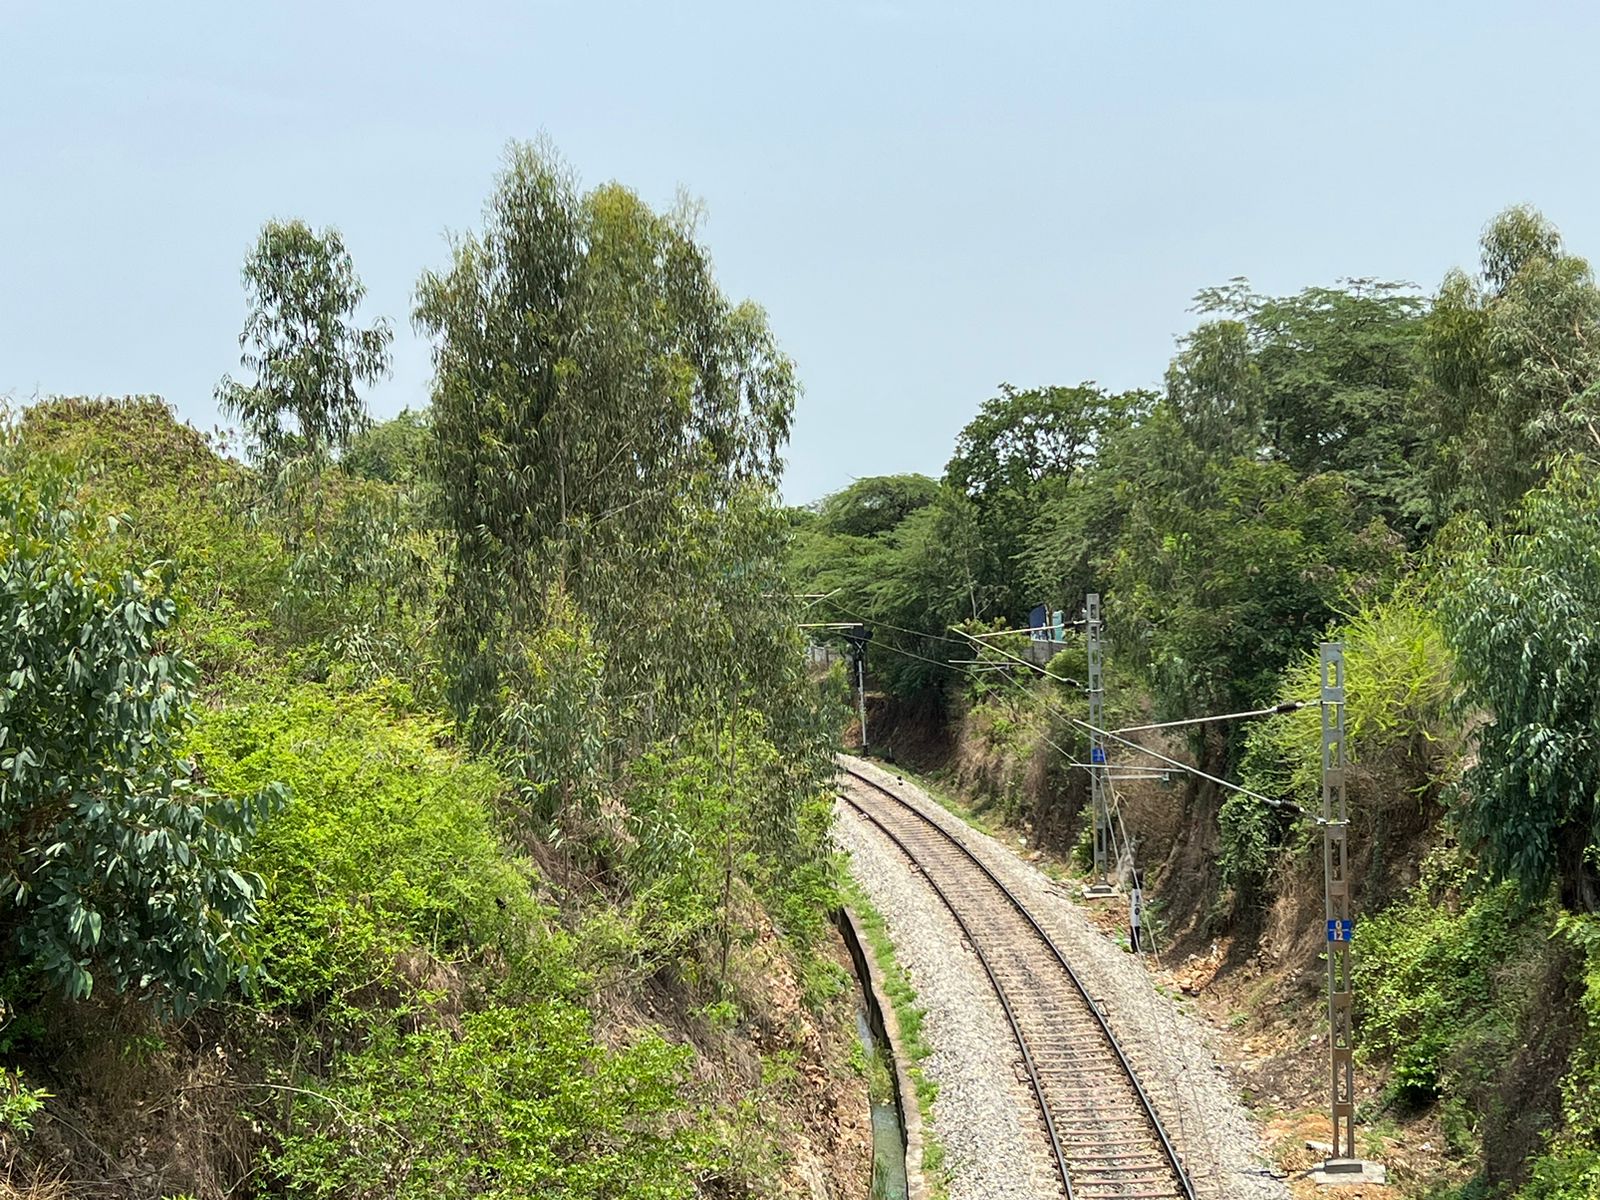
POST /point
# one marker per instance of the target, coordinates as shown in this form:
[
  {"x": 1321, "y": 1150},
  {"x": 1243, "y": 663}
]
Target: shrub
[
  {"x": 114, "y": 859},
  {"x": 1523, "y": 613},
  {"x": 521, "y": 1103},
  {"x": 388, "y": 844},
  {"x": 1428, "y": 977},
  {"x": 1569, "y": 1169},
  {"x": 1399, "y": 693}
]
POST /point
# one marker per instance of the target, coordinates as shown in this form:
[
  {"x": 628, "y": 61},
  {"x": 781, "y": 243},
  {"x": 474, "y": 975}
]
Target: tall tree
[
  {"x": 1022, "y": 448},
  {"x": 876, "y": 504},
  {"x": 1334, "y": 371},
  {"x": 606, "y": 434},
  {"x": 1513, "y": 362},
  {"x": 1216, "y": 588},
  {"x": 1214, "y": 389},
  {"x": 301, "y": 341}
]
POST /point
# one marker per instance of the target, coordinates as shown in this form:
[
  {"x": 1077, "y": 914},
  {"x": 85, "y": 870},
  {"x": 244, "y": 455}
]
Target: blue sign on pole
[
  {"x": 1339, "y": 931},
  {"x": 1097, "y": 756}
]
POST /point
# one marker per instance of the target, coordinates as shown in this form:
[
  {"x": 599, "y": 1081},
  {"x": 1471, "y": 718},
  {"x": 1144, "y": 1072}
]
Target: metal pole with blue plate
[{"x": 1336, "y": 873}]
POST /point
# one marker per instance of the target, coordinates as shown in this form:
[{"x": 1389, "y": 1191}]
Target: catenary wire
[{"x": 1286, "y": 707}]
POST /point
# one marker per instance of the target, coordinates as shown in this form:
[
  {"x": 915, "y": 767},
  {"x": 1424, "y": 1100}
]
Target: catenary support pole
[
  {"x": 1097, "y": 749},
  {"x": 857, "y": 637},
  {"x": 1336, "y": 873},
  {"x": 861, "y": 693}
]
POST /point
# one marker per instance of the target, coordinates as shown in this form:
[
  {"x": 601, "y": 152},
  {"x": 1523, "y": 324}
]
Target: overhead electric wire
[
  {"x": 1274, "y": 802},
  {"x": 1077, "y": 683},
  {"x": 1287, "y": 805},
  {"x": 1116, "y": 808},
  {"x": 1286, "y": 707},
  {"x": 920, "y": 657},
  {"x": 1278, "y": 803},
  {"x": 937, "y": 637}
]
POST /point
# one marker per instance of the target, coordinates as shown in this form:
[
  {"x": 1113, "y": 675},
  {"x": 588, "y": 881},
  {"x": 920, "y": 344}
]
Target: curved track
[{"x": 1105, "y": 1138}]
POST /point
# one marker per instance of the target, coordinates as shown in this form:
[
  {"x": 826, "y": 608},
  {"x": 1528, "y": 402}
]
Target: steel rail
[
  {"x": 994, "y": 982},
  {"x": 1186, "y": 1184}
]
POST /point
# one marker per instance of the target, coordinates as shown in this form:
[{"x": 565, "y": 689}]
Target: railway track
[{"x": 1104, "y": 1135}]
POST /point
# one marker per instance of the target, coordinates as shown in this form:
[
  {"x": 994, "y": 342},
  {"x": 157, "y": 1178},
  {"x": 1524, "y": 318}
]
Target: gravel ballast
[{"x": 984, "y": 1114}]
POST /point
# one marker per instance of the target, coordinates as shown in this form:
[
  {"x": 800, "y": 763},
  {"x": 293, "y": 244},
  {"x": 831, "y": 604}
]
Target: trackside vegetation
[
  {"x": 1413, "y": 474},
  {"x": 434, "y": 807},
  {"x": 440, "y": 806}
]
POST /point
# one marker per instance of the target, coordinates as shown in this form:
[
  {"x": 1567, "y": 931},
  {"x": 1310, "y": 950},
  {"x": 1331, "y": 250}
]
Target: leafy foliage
[
  {"x": 1569, "y": 1168},
  {"x": 1513, "y": 359},
  {"x": 598, "y": 404},
  {"x": 1523, "y": 615},
  {"x": 550, "y": 1114},
  {"x": 1400, "y": 727},
  {"x": 1334, "y": 372},
  {"x": 116, "y": 859},
  {"x": 386, "y": 867},
  {"x": 389, "y": 842},
  {"x": 1430, "y": 980},
  {"x": 393, "y": 451},
  {"x": 1218, "y": 588},
  {"x": 19, "y": 1103},
  {"x": 300, "y": 340},
  {"x": 1022, "y": 448},
  {"x": 876, "y": 504}
]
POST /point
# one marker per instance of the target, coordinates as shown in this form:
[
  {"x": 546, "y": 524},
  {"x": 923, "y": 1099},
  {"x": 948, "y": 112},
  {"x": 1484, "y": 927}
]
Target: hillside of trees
[
  {"x": 1416, "y": 475},
  {"x": 440, "y": 807},
  {"x": 435, "y": 807}
]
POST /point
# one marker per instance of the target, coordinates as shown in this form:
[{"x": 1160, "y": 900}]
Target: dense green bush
[
  {"x": 1569, "y": 1169},
  {"x": 1523, "y": 611},
  {"x": 460, "y": 1061},
  {"x": 387, "y": 846},
  {"x": 519, "y": 1102},
  {"x": 700, "y": 816},
  {"x": 115, "y": 860},
  {"x": 1429, "y": 976},
  {"x": 1399, "y": 692}
]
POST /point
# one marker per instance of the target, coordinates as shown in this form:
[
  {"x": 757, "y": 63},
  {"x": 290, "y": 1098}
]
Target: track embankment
[{"x": 1058, "y": 1062}]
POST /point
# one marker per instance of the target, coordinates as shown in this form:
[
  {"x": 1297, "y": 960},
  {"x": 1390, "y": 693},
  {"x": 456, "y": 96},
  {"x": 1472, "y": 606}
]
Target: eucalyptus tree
[
  {"x": 302, "y": 342},
  {"x": 606, "y": 436},
  {"x": 1513, "y": 362}
]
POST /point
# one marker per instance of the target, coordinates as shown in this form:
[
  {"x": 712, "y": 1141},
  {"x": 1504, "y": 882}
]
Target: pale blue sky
[{"x": 927, "y": 198}]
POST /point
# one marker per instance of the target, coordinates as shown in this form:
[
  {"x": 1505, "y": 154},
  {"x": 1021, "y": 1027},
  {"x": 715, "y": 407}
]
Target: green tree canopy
[
  {"x": 392, "y": 451},
  {"x": 1216, "y": 591},
  {"x": 607, "y": 428},
  {"x": 876, "y": 504},
  {"x": 1513, "y": 363},
  {"x": 1215, "y": 391},
  {"x": 301, "y": 341},
  {"x": 1022, "y": 449},
  {"x": 1335, "y": 370}
]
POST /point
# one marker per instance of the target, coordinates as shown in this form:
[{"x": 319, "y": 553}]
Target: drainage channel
[
  {"x": 890, "y": 1179},
  {"x": 888, "y": 1134}
]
